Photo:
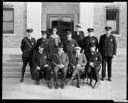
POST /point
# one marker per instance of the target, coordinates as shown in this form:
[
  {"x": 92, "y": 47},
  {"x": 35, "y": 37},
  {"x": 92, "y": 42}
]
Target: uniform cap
[
  {"x": 29, "y": 30},
  {"x": 107, "y": 28},
  {"x": 78, "y": 26},
  {"x": 90, "y": 29},
  {"x": 77, "y": 48},
  {"x": 43, "y": 32}
]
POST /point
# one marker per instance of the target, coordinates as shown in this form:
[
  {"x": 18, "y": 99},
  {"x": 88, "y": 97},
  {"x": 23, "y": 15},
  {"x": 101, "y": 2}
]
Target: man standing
[
  {"x": 70, "y": 44},
  {"x": 78, "y": 62},
  {"x": 43, "y": 41},
  {"x": 90, "y": 39},
  {"x": 41, "y": 63},
  {"x": 107, "y": 48},
  {"x": 78, "y": 35},
  {"x": 60, "y": 63},
  {"x": 28, "y": 47}
]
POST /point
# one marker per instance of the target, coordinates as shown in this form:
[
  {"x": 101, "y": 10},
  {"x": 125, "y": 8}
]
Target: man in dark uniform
[
  {"x": 78, "y": 62},
  {"x": 107, "y": 48},
  {"x": 28, "y": 47},
  {"x": 60, "y": 63},
  {"x": 69, "y": 44},
  {"x": 78, "y": 35},
  {"x": 41, "y": 63},
  {"x": 94, "y": 65},
  {"x": 87, "y": 41},
  {"x": 43, "y": 40}
]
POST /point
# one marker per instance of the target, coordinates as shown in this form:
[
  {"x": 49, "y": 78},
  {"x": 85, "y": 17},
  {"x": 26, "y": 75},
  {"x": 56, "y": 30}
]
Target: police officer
[
  {"x": 70, "y": 44},
  {"x": 94, "y": 65},
  {"x": 87, "y": 41},
  {"x": 28, "y": 47},
  {"x": 78, "y": 35},
  {"x": 107, "y": 48},
  {"x": 41, "y": 64},
  {"x": 43, "y": 40}
]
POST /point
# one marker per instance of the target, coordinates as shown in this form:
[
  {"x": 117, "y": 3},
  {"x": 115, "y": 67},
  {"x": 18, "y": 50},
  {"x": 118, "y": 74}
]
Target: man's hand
[
  {"x": 91, "y": 64},
  {"x": 38, "y": 67},
  {"x": 46, "y": 65},
  {"x": 73, "y": 67},
  {"x": 114, "y": 56},
  {"x": 78, "y": 65},
  {"x": 61, "y": 66}
]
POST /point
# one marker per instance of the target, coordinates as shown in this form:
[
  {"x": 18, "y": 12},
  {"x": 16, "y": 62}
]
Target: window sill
[{"x": 8, "y": 35}]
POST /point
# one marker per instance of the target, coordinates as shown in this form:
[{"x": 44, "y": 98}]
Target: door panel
[{"x": 63, "y": 23}]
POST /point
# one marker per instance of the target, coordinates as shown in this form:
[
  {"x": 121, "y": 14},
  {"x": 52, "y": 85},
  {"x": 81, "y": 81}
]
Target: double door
[{"x": 63, "y": 23}]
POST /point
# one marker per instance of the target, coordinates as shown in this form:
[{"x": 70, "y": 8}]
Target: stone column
[
  {"x": 86, "y": 16},
  {"x": 34, "y": 18}
]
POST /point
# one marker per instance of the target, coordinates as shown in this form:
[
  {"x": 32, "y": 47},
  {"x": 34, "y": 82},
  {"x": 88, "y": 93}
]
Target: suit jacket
[
  {"x": 42, "y": 41},
  {"x": 63, "y": 59},
  {"x": 26, "y": 48},
  {"x": 95, "y": 57},
  {"x": 87, "y": 41},
  {"x": 81, "y": 60},
  {"x": 107, "y": 45},
  {"x": 79, "y": 38}
]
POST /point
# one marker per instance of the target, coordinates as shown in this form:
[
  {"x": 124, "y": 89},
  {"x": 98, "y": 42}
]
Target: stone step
[
  {"x": 14, "y": 69},
  {"x": 15, "y": 74},
  {"x": 12, "y": 60}
]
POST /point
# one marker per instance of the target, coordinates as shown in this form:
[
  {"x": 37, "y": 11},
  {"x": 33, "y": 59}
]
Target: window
[
  {"x": 8, "y": 20},
  {"x": 112, "y": 18}
]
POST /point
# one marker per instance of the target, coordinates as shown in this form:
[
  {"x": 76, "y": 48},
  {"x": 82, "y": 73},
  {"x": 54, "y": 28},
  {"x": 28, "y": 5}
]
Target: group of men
[{"x": 77, "y": 55}]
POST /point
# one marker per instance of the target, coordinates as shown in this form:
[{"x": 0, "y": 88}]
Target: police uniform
[
  {"x": 28, "y": 47},
  {"x": 87, "y": 41},
  {"x": 78, "y": 36},
  {"x": 96, "y": 59},
  {"x": 43, "y": 41},
  {"x": 107, "y": 48},
  {"x": 69, "y": 46},
  {"x": 40, "y": 60}
]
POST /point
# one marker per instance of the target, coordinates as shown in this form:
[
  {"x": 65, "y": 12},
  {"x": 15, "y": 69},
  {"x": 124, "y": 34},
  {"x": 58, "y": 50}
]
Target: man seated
[
  {"x": 41, "y": 62},
  {"x": 94, "y": 65},
  {"x": 77, "y": 62},
  {"x": 60, "y": 63}
]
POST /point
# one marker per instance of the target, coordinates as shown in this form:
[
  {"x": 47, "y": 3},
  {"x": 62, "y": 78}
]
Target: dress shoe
[
  {"x": 95, "y": 86},
  {"x": 56, "y": 86},
  {"x": 62, "y": 86},
  {"x": 21, "y": 80},
  {"x": 36, "y": 83},
  {"x": 49, "y": 85},
  {"x": 102, "y": 79},
  {"x": 78, "y": 85},
  {"x": 109, "y": 79}
]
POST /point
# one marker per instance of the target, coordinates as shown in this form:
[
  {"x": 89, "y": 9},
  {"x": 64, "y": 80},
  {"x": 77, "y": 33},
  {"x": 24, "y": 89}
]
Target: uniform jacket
[
  {"x": 40, "y": 59},
  {"x": 95, "y": 57},
  {"x": 107, "y": 45},
  {"x": 86, "y": 43},
  {"x": 26, "y": 48},
  {"x": 81, "y": 60},
  {"x": 79, "y": 38},
  {"x": 42, "y": 41},
  {"x": 69, "y": 46},
  {"x": 63, "y": 59}
]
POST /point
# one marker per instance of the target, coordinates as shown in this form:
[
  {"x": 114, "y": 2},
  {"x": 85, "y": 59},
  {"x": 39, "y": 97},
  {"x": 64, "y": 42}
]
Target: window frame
[
  {"x": 8, "y": 33},
  {"x": 113, "y": 8}
]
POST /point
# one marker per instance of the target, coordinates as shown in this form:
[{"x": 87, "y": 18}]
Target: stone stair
[{"x": 12, "y": 64}]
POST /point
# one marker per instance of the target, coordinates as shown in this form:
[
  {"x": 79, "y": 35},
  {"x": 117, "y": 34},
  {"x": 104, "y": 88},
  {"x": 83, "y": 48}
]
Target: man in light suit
[{"x": 78, "y": 62}]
